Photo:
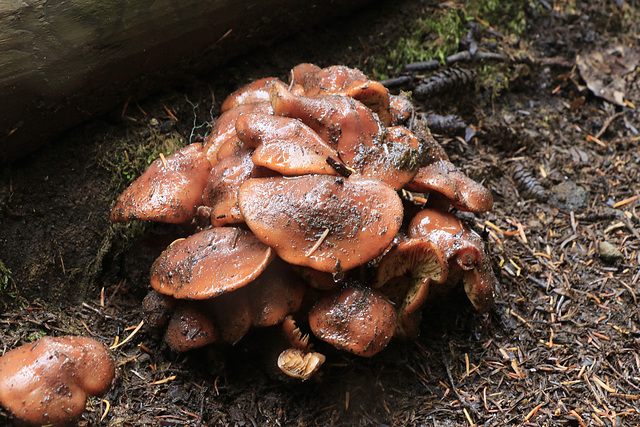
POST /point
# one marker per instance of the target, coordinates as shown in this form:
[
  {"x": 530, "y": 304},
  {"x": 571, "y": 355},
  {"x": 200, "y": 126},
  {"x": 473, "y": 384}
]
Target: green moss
[
  {"x": 7, "y": 285},
  {"x": 437, "y": 34}
]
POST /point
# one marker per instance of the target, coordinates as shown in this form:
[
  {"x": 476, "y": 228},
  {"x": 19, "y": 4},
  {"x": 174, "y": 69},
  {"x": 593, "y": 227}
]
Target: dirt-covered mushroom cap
[
  {"x": 190, "y": 327},
  {"x": 47, "y": 382},
  {"x": 324, "y": 222},
  {"x": 463, "y": 248},
  {"x": 285, "y": 145},
  {"x": 459, "y": 190},
  {"x": 170, "y": 190},
  {"x": 407, "y": 270},
  {"x": 210, "y": 263},
  {"x": 356, "y": 319}
]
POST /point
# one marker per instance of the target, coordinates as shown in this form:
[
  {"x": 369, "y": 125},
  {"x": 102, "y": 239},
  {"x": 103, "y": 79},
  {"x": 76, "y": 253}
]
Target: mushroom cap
[
  {"x": 168, "y": 193},
  {"x": 463, "y": 248},
  {"x": 233, "y": 314},
  {"x": 302, "y": 73},
  {"x": 400, "y": 108},
  {"x": 323, "y": 222},
  {"x": 209, "y": 263},
  {"x": 340, "y": 121},
  {"x": 460, "y": 191},
  {"x": 157, "y": 308},
  {"x": 190, "y": 327},
  {"x": 395, "y": 160},
  {"x": 225, "y": 126},
  {"x": 356, "y": 319},
  {"x": 253, "y": 92},
  {"x": 285, "y": 145},
  {"x": 47, "y": 382}
]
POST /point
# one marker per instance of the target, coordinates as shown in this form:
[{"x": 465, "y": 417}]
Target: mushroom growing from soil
[
  {"x": 296, "y": 196},
  {"x": 48, "y": 381}
]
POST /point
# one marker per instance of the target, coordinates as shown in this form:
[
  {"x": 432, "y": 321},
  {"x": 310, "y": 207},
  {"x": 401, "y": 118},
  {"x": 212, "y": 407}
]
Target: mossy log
[{"x": 62, "y": 62}]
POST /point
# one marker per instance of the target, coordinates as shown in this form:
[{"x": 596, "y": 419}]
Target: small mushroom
[
  {"x": 285, "y": 145},
  {"x": 298, "y": 361},
  {"x": 458, "y": 189},
  {"x": 405, "y": 273},
  {"x": 170, "y": 190},
  {"x": 463, "y": 248},
  {"x": 47, "y": 382},
  {"x": 190, "y": 327},
  {"x": 157, "y": 309},
  {"x": 356, "y": 319},
  {"x": 192, "y": 268},
  {"x": 400, "y": 108},
  {"x": 327, "y": 223},
  {"x": 256, "y": 91}
]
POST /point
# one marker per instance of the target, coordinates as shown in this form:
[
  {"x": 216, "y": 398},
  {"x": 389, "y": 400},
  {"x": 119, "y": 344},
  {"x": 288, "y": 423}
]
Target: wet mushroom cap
[
  {"x": 210, "y": 263},
  {"x": 327, "y": 223},
  {"x": 460, "y": 191},
  {"x": 170, "y": 190},
  {"x": 47, "y": 382},
  {"x": 356, "y": 319},
  {"x": 190, "y": 327},
  {"x": 285, "y": 145},
  {"x": 253, "y": 92}
]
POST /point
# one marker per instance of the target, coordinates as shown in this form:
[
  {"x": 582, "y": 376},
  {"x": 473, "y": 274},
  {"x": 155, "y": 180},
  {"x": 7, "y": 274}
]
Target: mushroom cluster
[{"x": 299, "y": 197}]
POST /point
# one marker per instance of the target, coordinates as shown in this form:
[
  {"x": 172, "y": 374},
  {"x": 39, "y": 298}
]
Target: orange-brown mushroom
[
  {"x": 210, "y": 263},
  {"x": 255, "y": 91},
  {"x": 463, "y": 248},
  {"x": 356, "y": 319},
  {"x": 324, "y": 222},
  {"x": 47, "y": 382},
  {"x": 459, "y": 190},
  {"x": 157, "y": 308},
  {"x": 342, "y": 122},
  {"x": 170, "y": 190},
  {"x": 225, "y": 127},
  {"x": 400, "y": 108},
  {"x": 405, "y": 273},
  {"x": 285, "y": 145},
  {"x": 190, "y": 327}
]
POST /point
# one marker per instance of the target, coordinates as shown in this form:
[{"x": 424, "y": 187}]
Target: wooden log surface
[{"x": 65, "y": 61}]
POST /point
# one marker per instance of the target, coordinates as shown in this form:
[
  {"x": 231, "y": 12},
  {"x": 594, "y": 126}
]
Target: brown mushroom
[
  {"x": 221, "y": 191},
  {"x": 232, "y": 313},
  {"x": 400, "y": 108},
  {"x": 157, "y": 308},
  {"x": 394, "y": 160},
  {"x": 405, "y": 273},
  {"x": 463, "y": 248},
  {"x": 285, "y": 145},
  {"x": 190, "y": 327},
  {"x": 256, "y": 91},
  {"x": 324, "y": 222},
  {"x": 170, "y": 190},
  {"x": 459, "y": 190},
  {"x": 356, "y": 319},
  {"x": 225, "y": 127},
  {"x": 210, "y": 263},
  {"x": 342, "y": 122},
  {"x": 47, "y": 382}
]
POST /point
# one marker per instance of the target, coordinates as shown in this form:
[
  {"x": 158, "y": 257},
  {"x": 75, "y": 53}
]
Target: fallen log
[{"x": 63, "y": 62}]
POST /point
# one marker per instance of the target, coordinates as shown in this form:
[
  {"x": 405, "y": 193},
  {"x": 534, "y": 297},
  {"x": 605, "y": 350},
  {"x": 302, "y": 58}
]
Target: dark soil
[{"x": 560, "y": 347}]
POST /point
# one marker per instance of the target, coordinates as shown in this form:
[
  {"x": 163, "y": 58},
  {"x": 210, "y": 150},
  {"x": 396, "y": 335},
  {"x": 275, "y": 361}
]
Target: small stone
[
  {"x": 569, "y": 196},
  {"x": 609, "y": 253}
]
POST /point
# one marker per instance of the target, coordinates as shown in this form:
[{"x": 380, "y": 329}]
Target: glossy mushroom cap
[
  {"x": 356, "y": 319},
  {"x": 47, "y": 382},
  {"x": 190, "y": 327},
  {"x": 463, "y": 248},
  {"x": 323, "y": 222},
  {"x": 168, "y": 191},
  {"x": 256, "y": 91},
  {"x": 459, "y": 190},
  {"x": 209, "y": 263},
  {"x": 285, "y": 145}
]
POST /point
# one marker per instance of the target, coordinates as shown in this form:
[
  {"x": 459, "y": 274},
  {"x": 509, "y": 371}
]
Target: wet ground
[{"x": 561, "y": 346}]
